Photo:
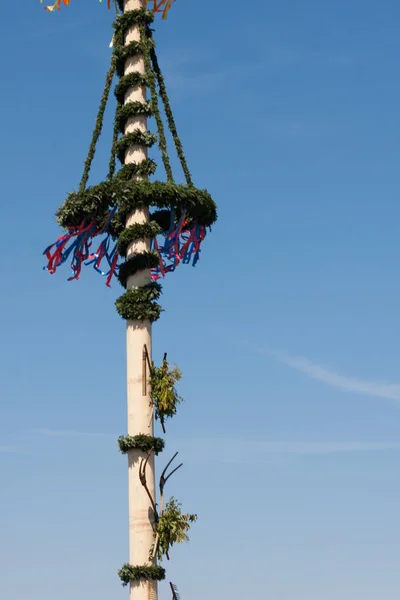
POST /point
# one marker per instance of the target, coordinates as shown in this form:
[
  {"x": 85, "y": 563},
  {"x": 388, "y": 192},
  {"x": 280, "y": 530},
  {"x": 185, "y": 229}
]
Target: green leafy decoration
[
  {"x": 198, "y": 203},
  {"x": 129, "y": 19},
  {"x": 137, "y": 231},
  {"x": 135, "y": 138},
  {"x": 162, "y": 141},
  {"x": 128, "y": 573},
  {"x": 142, "y": 442},
  {"x": 145, "y": 168},
  {"x": 172, "y": 528},
  {"x": 96, "y": 201},
  {"x": 128, "y": 81},
  {"x": 138, "y": 262},
  {"x": 163, "y": 391},
  {"x": 132, "y": 109},
  {"x": 168, "y": 113},
  {"x": 98, "y": 126},
  {"x": 91, "y": 205},
  {"x": 140, "y": 303},
  {"x": 112, "y": 161},
  {"x": 122, "y": 53}
]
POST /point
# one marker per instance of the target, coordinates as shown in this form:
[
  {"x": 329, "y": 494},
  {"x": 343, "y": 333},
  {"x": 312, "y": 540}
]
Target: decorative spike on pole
[{"x": 144, "y": 230}]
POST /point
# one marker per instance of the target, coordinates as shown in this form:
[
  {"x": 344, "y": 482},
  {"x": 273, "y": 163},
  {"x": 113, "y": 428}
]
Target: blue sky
[{"x": 286, "y": 331}]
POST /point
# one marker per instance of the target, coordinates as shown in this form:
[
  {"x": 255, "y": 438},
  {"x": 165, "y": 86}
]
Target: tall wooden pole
[{"x": 138, "y": 335}]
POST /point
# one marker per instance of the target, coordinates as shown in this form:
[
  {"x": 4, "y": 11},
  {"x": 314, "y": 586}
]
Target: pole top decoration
[{"x": 156, "y": 6}]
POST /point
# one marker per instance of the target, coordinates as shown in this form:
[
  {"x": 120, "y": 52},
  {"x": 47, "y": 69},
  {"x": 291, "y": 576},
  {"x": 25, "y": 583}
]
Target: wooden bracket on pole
[
  {"x": 145, "y": 364},
  {"x": 163, "y": 481}
]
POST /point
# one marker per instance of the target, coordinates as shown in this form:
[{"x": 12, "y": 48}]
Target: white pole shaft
[{"x": 138, "y": 334}]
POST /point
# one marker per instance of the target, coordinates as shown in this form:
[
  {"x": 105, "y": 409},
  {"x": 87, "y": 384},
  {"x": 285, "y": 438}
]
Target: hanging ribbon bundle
[
  {"x": 76, "y": 245},
  {"x": 181, "y": 244}
]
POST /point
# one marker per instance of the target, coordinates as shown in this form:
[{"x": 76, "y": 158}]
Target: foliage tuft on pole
[
  {"x": 163, "y": 390},
  {"x": 172, "y": 528}
]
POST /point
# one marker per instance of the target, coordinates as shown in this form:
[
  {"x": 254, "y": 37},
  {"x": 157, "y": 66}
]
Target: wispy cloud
[{"x": 346, "y": 383}]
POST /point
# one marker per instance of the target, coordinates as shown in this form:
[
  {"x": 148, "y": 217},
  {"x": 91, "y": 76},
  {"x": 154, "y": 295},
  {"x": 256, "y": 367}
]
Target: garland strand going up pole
[{"x": 98, "y": 127}]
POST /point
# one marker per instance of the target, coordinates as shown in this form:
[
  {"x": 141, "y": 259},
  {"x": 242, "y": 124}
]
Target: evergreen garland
[
  {"x": 122, "y": 53},
  {"x": 138, "y": 262},
  {"x": 137, "y": 231},
  {"x": 134, "y": 79},
  {"x": 136, "y": 138},
  {"x": 145, "y": 443},
  {"x": 129, "y": 171},
  {"x": 95, "y": 202},
  {"x": 132, "y": 18},
  {"x": 162, "y": 141},
  {"x": 129, "y": 573},
  {"x": 197, "y": 203},
  {"x": 98, "y": 126},
  {"x": 132, "y": 109},
  {"x": 169, "y": 115},
  {"x": 112, "y": 162},
  {"x": 140, "y": 303}
]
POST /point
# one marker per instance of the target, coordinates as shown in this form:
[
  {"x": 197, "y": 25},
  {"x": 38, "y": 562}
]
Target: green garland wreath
[
  {"x": 137, "y": 231},
  {"x": 128, "y": 573},
  {"x": 140, "y": 304},
  {"x": 94, "y": 204},
  {"x": 139, "y": 262},
  {"x": 142, "y": 442}
]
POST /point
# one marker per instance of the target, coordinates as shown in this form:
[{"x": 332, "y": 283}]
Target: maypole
[
  {"x": 154, "y": 226},
  {"x": 138, "y": 340}
]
